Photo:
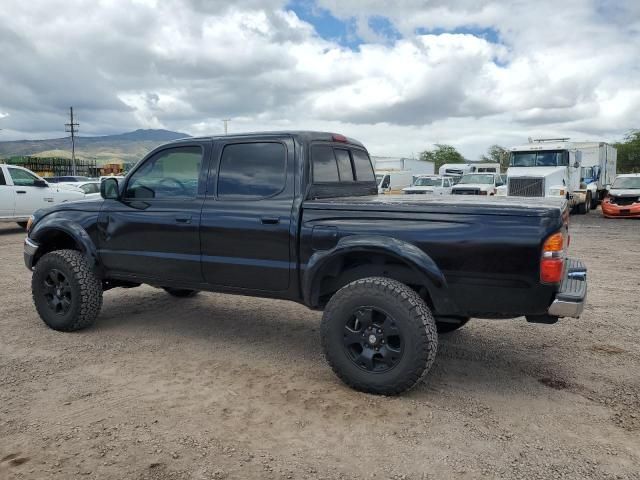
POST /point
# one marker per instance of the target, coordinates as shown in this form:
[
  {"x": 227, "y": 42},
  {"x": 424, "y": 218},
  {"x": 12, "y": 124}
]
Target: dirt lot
[{"x": 220, "y": 386}]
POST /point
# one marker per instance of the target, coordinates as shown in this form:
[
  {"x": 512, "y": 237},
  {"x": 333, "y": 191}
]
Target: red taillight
[
  {"x": 552, "y": 261},
  {"x": 339, "y": 138}
]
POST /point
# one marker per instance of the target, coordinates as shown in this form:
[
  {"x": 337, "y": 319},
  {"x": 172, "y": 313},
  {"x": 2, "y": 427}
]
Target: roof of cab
[{"x": 304, "y": 135}]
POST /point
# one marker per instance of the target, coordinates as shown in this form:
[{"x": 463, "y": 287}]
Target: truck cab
[{"x": 556, "y": 168}]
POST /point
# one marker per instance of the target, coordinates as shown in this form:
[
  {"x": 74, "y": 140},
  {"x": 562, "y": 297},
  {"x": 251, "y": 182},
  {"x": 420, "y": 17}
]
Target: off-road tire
[
  {"x": 412, "y": 317},
  {"x": 85, "y": 290},
  {"x": 22, "y": 225},
  {"x": 448, "y": 327},
  {"x": 181, "y": 292},
  {"x": 595, "y": 202}
]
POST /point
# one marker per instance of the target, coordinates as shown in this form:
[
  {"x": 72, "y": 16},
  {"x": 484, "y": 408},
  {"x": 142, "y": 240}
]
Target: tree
[
  {"x": 629, "y": 153},
  {"x": 497, "y": 154},
  {"x": 441, "y": 155}
]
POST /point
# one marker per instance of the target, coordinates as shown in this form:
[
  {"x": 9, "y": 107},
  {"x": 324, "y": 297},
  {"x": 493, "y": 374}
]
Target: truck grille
[
  {"x": 623, "y": 200},
  {"x": 466, "y": 191},
  {"x": 526, "y": 187}
]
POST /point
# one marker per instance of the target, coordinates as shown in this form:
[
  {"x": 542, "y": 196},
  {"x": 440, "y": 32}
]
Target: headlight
[
  {"x": 557, "y": 192},
  {"x": 29, "y": 223}
]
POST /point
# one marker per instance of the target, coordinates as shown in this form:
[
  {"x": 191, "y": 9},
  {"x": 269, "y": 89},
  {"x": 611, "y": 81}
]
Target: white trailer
[
  {"x": 578, "y": 171},
  {"x": 416, "y": 167}
]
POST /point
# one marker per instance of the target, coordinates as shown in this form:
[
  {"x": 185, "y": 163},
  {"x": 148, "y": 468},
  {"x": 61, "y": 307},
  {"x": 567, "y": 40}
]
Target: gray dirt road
[{"x": 220, "y": 386}]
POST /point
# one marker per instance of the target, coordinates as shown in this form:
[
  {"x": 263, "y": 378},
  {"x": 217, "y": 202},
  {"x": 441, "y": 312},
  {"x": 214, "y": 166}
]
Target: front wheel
[
  {"x": 66, "y": 292},
  {"x": 379, "y": 336},
  {"x": 583, "y": 208}
]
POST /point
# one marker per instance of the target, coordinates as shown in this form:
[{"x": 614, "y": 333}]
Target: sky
[{"x": 399, "y": 76}]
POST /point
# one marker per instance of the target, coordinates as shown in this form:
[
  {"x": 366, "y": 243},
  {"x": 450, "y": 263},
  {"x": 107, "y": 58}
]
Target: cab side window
[
  {"x": 251, "y": 171},
  {"x": 2, "y": 180},
  {"x": 22, "y": 178},
  {"x": 169, "y": 174}
]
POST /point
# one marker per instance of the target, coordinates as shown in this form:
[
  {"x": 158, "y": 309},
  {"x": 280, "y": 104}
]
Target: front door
[
  {"x": 246, "y": 218},
  {"x": 153, "y": 230},
  {"x": 28, "y": 196}
]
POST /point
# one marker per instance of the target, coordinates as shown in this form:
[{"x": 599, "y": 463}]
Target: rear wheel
[
  {"x": 66, "y": 292},
  {"x": 379, "y": 336},
  {"x": 583, "y": 208},
  {"x": 180, "y": 292},
  {"x": 595, "y": 202}
]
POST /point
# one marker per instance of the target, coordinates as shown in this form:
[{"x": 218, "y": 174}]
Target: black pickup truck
[{"x": 296, "y": 216}]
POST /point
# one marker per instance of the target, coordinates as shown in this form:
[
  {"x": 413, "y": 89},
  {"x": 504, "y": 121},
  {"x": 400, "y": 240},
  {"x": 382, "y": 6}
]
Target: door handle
[
  {"x": 21, "y": 191},
  {"x": 270, "y": 220},
  {"x": 183, "y": 219}
]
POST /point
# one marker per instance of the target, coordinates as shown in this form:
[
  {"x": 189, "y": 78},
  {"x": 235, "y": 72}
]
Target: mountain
[{"x": 127, "y": 147}]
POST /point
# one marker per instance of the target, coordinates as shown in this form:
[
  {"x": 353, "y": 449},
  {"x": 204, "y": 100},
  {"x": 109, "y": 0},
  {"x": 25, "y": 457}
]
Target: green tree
[
  {"x": 497, "y": 154},
  {"x": 442, "y": 154},
  {"x": 629, "y": 153}
]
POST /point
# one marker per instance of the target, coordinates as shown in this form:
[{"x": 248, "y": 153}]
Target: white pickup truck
[{"x": 22, "y": 192}]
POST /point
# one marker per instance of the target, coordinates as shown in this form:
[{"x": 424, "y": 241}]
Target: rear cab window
[{"x": 340, "y": 170}]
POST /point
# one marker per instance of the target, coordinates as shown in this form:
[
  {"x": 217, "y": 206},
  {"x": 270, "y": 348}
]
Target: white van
[{"x": 393, "y": 181}]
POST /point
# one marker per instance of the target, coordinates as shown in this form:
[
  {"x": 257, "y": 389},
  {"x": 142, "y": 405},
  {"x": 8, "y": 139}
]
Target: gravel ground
[{"x": 220, "y": 386}]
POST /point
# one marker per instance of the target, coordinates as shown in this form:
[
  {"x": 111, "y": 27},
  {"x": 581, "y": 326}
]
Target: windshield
[
  {"x": 482, "y": 179},
  {"x": 627, "y": 182},
  {"x": 550, "y": 158},
  {"x": 427, "y": 182}
]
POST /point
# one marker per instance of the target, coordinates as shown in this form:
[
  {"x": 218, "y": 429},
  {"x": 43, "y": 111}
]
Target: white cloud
[{"x": 561, "y": 68}]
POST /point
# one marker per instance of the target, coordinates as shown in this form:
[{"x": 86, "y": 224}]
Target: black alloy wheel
[
  {"x": 57, "y": 292},
  {"x": 372, "y": 340}
]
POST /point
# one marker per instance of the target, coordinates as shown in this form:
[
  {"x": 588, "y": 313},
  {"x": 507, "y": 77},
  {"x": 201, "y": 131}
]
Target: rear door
[
  {"x": 7, "y": 196},
  {"x": 246, "y": 220},
  {"x": 153, "y": 230}
]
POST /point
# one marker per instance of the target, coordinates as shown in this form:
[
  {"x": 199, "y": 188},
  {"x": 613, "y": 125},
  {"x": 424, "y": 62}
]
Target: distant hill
[{"x": 127, "y": 147}]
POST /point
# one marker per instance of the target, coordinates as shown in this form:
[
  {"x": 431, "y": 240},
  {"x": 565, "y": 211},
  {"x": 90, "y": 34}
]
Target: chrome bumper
[
  {"x": 570, "y": 299},
  {"x": 30, "y": 249}
]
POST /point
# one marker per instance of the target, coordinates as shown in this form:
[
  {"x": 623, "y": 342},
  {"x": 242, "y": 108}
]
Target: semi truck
[{"x": 556, "y": 167}]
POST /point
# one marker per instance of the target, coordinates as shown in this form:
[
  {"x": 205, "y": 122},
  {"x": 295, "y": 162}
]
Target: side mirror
[
  {"x": 109, "y": 189},
  {"x": 607, "y": 186},
  {"x": 576, "y": 164},
  {"x": 40, "y": 183}
]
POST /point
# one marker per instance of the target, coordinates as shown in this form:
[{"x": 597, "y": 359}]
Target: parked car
[
  {"x": 623, "y": 199},
  {"x": 22, "y": 192},
  {"x": 269, "y": 215},
  {"x": 67, "y": 179},
  {"x": 478, "y": 184},
  {"x": 431, "y": 185},
  {"x": 90, "y": 189}
]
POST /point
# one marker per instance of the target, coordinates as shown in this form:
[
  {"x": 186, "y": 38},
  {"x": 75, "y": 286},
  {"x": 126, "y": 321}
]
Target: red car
[{"x": 623, "y": 199}]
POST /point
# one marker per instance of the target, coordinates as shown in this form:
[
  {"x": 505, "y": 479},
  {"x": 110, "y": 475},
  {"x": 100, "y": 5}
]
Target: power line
[{"x": 72, "y": 128}]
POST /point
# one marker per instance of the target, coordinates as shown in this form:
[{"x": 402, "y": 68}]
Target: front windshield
[
  {"x": 427, "y": 182},
  {"x": 550, "y": 158},
  {"x": 630, "y": 183},
  {"x": 481, "y": 179}
]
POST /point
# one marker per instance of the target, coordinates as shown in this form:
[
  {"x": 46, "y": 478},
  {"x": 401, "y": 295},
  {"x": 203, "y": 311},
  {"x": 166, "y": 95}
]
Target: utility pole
[
  {"x": 73, "y": 129},
  {"x": 226, "y": 121}
]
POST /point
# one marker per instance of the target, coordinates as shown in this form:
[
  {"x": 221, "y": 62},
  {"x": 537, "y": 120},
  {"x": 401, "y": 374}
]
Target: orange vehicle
[{"x": 623, "y": 199}]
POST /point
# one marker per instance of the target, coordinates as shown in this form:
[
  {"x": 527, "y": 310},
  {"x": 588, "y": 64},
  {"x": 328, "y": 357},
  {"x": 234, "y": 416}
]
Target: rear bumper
[
  {"x": 570, "y": 299},
  {"x": 30, "y": 249}
]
